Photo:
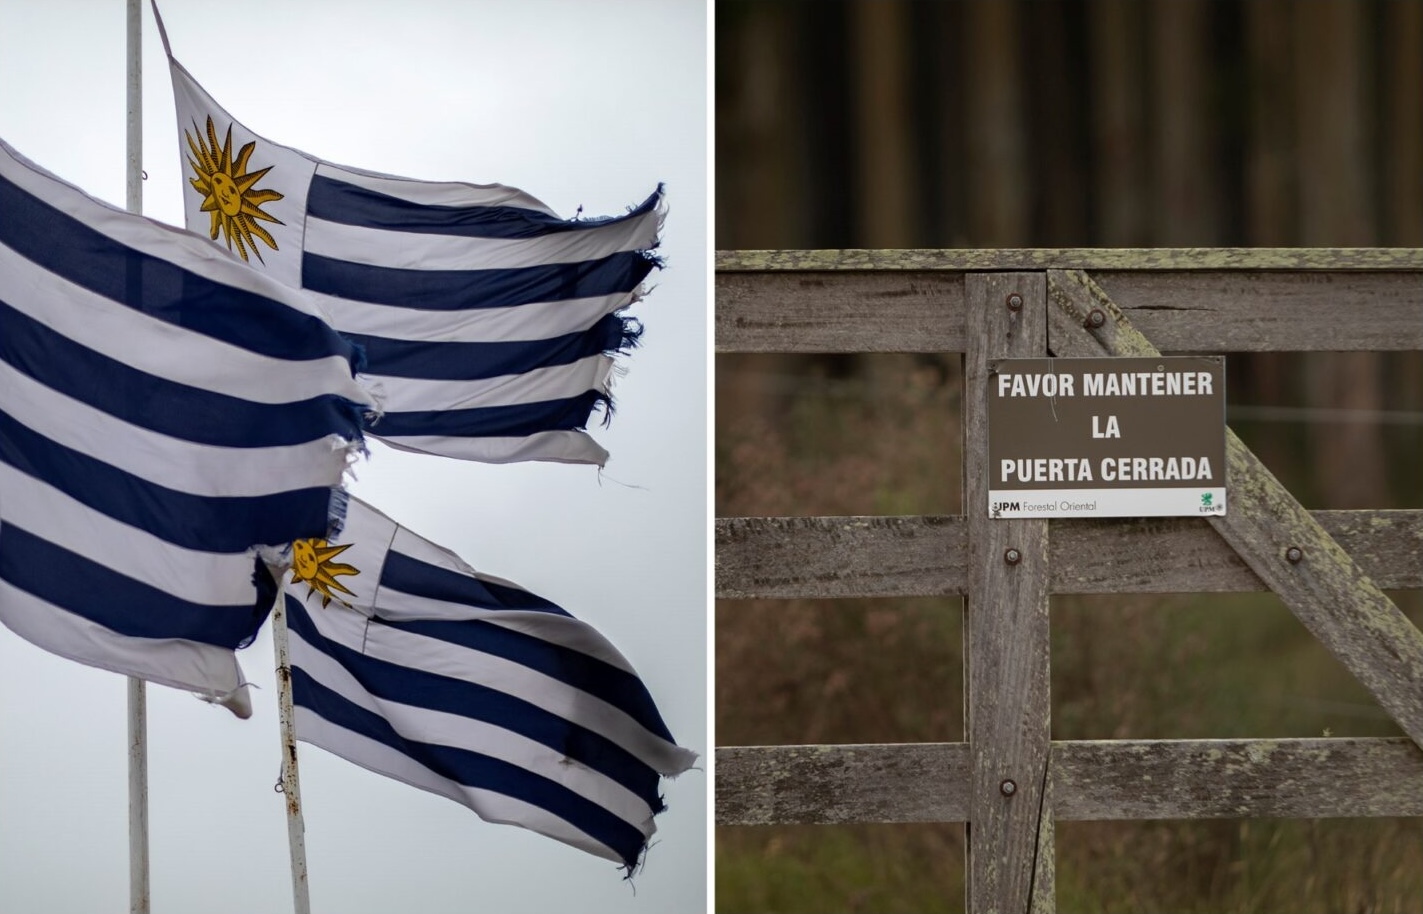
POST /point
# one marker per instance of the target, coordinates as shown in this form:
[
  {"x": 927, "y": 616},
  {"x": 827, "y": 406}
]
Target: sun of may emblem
[
  {"x": 311, "y": 562},
  {"x": 228, "y": 193}
]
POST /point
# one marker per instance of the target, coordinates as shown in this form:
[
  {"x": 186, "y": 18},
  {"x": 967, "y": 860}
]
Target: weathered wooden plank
[
  {"x": 1181, "y": 310},
  {"x": 835, "y": 557},
  {"x": 1073, "y": 259},
  {"x": 1208, "y": 779},
  {"x": 1212, "y": 311},
  {"x": 1007, "y": 647},
  {"x": 1185, "y": 555},
  {"x": 1044, "y": 894},
  {"x": 1091, "y": 779},
  {"x": 841, "y": 556},
  {"x": 843, "y": 312},
  {"x": 1324, "y": 587},
  {"x": 828, "y": 785}
]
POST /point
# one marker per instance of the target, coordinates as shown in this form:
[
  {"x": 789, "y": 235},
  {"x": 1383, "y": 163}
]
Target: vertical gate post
[{"x": 1006, "y": 631}]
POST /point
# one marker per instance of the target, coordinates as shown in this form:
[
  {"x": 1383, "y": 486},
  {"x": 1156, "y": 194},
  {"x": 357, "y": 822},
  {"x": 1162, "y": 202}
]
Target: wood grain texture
[
  {"x": 1007, "y": 646},
  {"x": 1091, "y": 780},
  {"x": 977, "y": 259},
  {"x": 836, "y": 557},
  {"x": 841, "y": 556},
  {"x": 843, "y": 312},
  {"x": 1043, "y": 898},
  {"x": 827, "y": 785},
  {"x": 1215, "y": 311},
  {"x": 1212, "y": 779},
  {"x": 1179, "y": 310},
  {"x": 1327, "y": 591}
]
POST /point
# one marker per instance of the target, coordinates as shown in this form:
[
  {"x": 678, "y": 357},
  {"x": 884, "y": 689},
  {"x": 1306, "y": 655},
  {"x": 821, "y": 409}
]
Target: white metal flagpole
[
  {"x": 138, "y": 891},
  {"x": 291, "y": 785}
]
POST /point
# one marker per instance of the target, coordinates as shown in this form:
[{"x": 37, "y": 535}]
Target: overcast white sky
[{"x": 578, "y": 103}]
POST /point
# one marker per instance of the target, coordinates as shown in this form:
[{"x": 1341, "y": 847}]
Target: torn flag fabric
[
  {"x": 489, "y": 323},
  {"x": 164, "y": 412},
  {"x": 408, "y": 662}
]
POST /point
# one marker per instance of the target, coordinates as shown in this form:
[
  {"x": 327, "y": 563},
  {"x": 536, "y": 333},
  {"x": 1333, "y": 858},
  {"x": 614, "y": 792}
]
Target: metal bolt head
[
  {"x": 1012, "y": 556},
  {"x": 1294, "y": 554},
  {"x": 1096, "y": 317},
  {"x": 1008, "y": 788},
  {"x": 1015, "y": 302}
]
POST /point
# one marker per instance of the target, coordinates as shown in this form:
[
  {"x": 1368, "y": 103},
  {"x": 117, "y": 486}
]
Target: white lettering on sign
[
  {"x": 1147, "y": 384},
  {"x": 1148, "y": 469},
  {"x": 1113, "y": 430},
  {"x": 1035, "y": 385},
  {"x": 1045, "y": 469}
]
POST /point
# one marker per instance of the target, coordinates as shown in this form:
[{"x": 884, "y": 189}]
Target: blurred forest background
[{"x": 1028, "y": 123}]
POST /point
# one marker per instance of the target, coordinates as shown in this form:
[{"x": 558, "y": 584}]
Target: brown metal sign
[{"x": 1106, "y": 437}]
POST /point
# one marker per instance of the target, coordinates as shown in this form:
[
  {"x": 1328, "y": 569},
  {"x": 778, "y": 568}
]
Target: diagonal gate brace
[{"x": 1270, "y": 530}]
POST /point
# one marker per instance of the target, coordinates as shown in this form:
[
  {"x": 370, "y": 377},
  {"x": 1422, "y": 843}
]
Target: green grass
[{"x": 815, "y": 869}]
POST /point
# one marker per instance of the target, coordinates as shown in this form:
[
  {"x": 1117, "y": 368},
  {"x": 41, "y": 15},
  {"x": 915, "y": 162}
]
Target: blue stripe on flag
[
  {"x": 340, "y": 201},
  {"x": 88, "y": 258},
  {"x": 475, "y": 770},
  {"x": 596, "y": 677},
  {"x": 455, "y": 361},
  {"x": 116, "y": 601},
  {"x": 206, "y": 523},
  {"x": 459, "y": 290},
  {"x": 492, "y": 421},
  {"x": 421, "y": 579},
  {"x": 158, "y": 404},
  {"x": 335, "y": 200},
  {"x": 616, "y": 686},
  {"x": 412, "y": 686}
]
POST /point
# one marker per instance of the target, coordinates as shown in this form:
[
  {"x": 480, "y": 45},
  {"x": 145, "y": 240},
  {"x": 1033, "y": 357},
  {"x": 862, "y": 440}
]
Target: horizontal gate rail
[
  {"x": 1008, "y": 780},
  {"x": 1191, "y": 300},
  {"x": 1092, "y": 780},
  {"x": 913, "y": 556}
]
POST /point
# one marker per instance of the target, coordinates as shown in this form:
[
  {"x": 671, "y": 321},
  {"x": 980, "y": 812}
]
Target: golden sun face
[
  {"x": 311, "y": 562},
  {"x": 228, "y": 191}
]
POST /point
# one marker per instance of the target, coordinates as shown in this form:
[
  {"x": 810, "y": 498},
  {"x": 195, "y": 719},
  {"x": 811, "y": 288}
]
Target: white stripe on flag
[
  {"x": 537, "y": 386},
  {"x": 163, "y": 411},
  {"x": 563, "y": 631},
  {"x": 439, "y": 728},
  {"x": 434, "y": 193},
  {"x": 422, "y": 251},
  {"x": 175, "y": 245},
  {"x": 199, "y": 469},
  {"x": 455, "y": 662},
  {"x": 549, "y": 447},
  {"x": 202, "y": 577},
  {"x": 492, "y": 807},
  {"x": 448, "y": 263},
  {"x": 163, "y": 349},
  {"x": 506, "y": 698},
  {"x": 210, "y": 671},
  {"x": 537, "y": 321}
]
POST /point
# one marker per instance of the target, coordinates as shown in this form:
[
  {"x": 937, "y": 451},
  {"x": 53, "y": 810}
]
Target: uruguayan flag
[
  {"x": 163, "y": 411},
  {"x": 409, "y": 663},
  {"x": 489, "y": 323}
]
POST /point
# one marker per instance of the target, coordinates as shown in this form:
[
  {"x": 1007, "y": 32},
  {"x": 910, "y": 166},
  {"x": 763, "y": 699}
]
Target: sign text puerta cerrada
[{"x": 1106, "y": 437}]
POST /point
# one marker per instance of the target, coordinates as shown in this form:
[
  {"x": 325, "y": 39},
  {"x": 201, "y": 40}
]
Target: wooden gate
[{"x": 1009, "y": 781}]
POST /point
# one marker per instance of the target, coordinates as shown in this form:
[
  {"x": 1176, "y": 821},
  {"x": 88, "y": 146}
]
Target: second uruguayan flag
[
  {"x": 409, "y": 663},
  {"x": 489, "y": 323},
  {"x": 162, "y": 412}
]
